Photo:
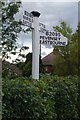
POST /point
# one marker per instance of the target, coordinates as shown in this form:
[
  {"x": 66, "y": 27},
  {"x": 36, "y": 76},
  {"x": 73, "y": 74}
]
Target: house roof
[{"x": 49, "y": 59}]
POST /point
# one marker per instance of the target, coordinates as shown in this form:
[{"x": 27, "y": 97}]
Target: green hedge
[{"x": 50, "y": 98}]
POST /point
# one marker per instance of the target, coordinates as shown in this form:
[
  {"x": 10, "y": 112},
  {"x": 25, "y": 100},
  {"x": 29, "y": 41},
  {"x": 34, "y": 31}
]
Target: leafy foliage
[
  {"x": 64, "y": 29},
  {"x": 10, "y": 70},
  {"x": 10, "y": 28},
  {"x": 67, "y": 61},
  {"x": 78, "y": 36},
  {"x": 26, "y": 66},
  {"x": 50, "y": 98}
]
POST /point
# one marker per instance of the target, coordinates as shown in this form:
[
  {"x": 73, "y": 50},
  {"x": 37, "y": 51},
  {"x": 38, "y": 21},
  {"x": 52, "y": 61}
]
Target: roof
[{"x": 49, "y": 59}]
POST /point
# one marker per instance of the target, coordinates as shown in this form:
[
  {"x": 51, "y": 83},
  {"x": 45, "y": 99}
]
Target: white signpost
[
  {"x": 53, "y": 38},
  {"x": 28, "y": 19},
  {"x": 35, "y": 46},
  {"x": 42, "y": 28},
  {"x": 31, "y": 20}
]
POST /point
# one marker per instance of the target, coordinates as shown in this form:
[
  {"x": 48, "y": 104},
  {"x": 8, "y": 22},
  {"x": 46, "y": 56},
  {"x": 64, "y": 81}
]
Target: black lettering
[
  {"x": 53, "y": 33},
  {"x": 42, "y": 37},
  {"x": 55, "y": 38},
  {"x": 51, "y": 42},
  {"x": 47, "y": 33},
  {"x": 50, "y": 33},
  {"x": 59, "y": 34},
  {"x": 40, "y": 42},
  {"x": 59, "y": 38}
]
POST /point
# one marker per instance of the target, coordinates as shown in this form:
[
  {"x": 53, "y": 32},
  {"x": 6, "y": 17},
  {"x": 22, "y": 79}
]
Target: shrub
[{"x": 50, "y": 98}]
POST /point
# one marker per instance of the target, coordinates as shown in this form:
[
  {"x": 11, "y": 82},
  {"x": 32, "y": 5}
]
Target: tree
[
  {"x": 10, "y": 28},
  {"x": 26, "y": 66},
  {"x": 78, "y": 47},
  {"x": 78, "y": 36},
  {"x": 21, "y": 55},
  {"x": 65, "y": 64},
  {"x": 10, "y": 31}
]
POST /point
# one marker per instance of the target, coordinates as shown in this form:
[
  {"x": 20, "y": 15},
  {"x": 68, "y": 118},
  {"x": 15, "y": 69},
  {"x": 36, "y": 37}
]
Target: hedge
[{"x": 50, "y": 98}]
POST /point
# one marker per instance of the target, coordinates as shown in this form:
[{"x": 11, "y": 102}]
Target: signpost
[
  {"x": 31, "y": 20},
  {"x": 50, "y": 37},
  {"x": 35, "y": 46},
  {"x": 28, "y": 19},
  {"x": 42, "y": 28},
  {"x": 53, "y": 38}
]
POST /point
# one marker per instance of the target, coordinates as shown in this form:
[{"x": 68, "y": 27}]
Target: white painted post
[{"x": 35, "y": 45}]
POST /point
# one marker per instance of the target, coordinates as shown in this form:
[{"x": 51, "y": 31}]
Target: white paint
[
  {"x": 35, "y": 49},
  {"x": 64, "y": 39},
  {"x": 42, "y": 28},
  {"x": 54, "y": 39}
]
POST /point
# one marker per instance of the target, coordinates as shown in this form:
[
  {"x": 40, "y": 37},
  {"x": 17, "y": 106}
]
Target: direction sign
[
  {"x": 49, "y": 37},
  {"x": 42, "y": 28},
  {"x": 53, "y": 38},
  {"x": 27, "y": 19}
]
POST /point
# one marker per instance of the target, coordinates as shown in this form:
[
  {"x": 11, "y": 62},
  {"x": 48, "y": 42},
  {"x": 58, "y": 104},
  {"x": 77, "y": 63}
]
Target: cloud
[
  {"x": 50, "y": 0},
  {"x": 46, "y": 46},
  {"x": 51, "y": 14},
  {"x": 46, "y": 51},
  {"x": 25, "y": 37},
  {"x": 43, "y": 53}
]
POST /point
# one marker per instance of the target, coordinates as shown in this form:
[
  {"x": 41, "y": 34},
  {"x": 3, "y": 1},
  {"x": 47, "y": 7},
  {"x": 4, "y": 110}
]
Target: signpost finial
[{"x": 35, "y": 13}]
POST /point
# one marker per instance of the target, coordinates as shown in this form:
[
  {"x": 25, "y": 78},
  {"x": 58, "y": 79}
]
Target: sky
[
  {"x": 49, "y": 0},
  {"x": 52, "y": 12}
]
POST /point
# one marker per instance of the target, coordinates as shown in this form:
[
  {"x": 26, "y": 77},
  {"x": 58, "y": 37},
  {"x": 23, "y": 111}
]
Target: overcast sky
[{"x": 51, "y": 15}]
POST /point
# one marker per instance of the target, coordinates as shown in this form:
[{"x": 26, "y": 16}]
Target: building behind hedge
[{"x": 49, "y": 61}]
